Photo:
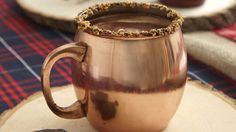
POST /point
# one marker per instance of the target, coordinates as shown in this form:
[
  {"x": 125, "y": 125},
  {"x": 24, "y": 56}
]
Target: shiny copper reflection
[
  {"x": 132, "y": 85},
  {"x": 148, "y": 65},
  {"x": 124, "y": 84}
]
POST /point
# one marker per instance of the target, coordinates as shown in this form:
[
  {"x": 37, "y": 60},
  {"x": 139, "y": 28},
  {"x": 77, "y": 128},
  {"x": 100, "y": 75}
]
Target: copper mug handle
[{"x": 72, "y": 50}]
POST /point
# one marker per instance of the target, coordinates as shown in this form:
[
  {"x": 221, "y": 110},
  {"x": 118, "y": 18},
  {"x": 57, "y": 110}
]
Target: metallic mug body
[{"x": 123, "y": 83}]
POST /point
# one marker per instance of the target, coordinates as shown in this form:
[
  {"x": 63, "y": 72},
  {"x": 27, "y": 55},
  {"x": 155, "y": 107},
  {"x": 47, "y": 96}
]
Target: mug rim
[{"x": 84, "y": 24}]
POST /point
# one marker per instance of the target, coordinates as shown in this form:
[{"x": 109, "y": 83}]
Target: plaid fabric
[
  {"x": 24, "y": 46},
  {"x": 227, "y": 32}
]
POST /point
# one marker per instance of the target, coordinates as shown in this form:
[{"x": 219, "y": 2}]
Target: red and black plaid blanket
[{"x": 25, "y": 44}]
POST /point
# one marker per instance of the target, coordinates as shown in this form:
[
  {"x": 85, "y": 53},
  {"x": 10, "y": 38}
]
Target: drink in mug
[{"x": 129, "y": 68}]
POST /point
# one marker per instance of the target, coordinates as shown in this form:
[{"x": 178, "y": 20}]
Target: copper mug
[{"x": 128, "y": 69}]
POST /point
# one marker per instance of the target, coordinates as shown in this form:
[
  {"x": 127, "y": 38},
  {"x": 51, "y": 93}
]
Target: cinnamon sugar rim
[{"x": 84, "y": 24}]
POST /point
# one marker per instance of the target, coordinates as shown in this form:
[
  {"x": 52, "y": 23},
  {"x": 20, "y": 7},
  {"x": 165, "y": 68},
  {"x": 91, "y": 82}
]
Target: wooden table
[{"x": 202, "y": 109}]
